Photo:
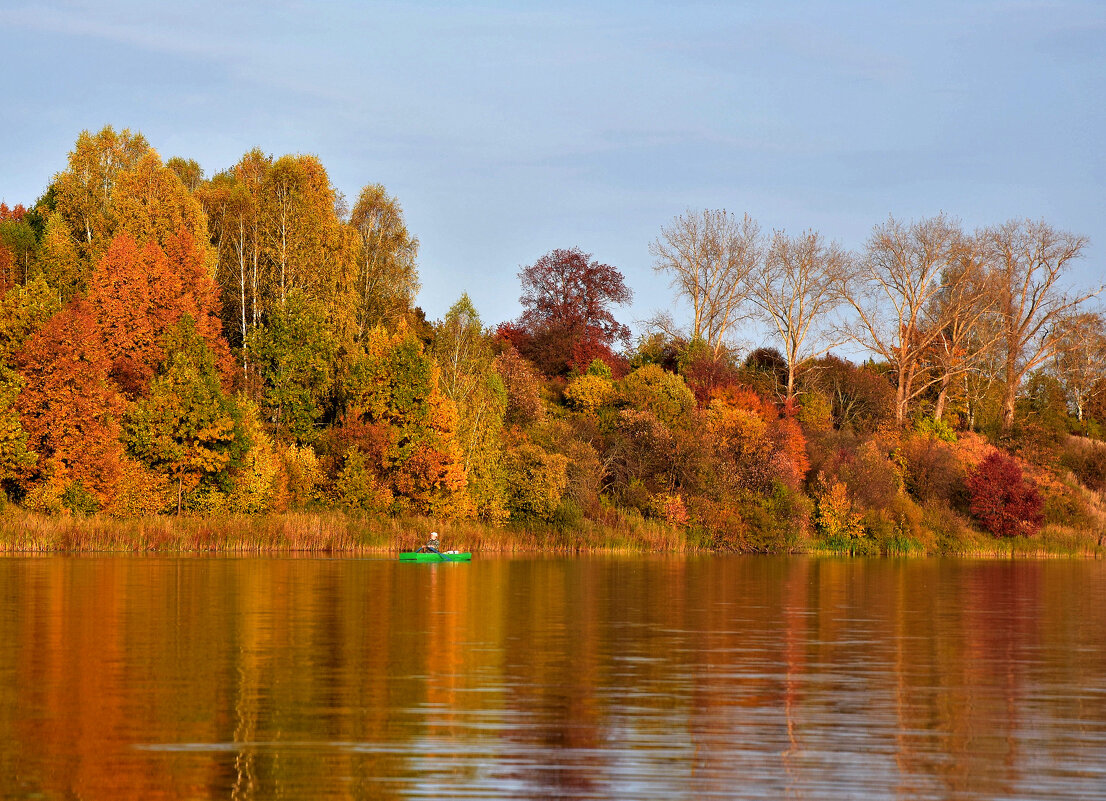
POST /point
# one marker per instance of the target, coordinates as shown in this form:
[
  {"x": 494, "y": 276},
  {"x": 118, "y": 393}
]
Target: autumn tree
[
  {"x": 567, "y": 319},
  {"x": 387, "y": 280},
  {"x": 797, "y": 287},
  {"x": 1002, "y": 499},
  {"x": 1030, "y": 259},
  {"x": 85, "y": 189},
  {"x": 59, "y": 260},
  {"x": 150, "y": 203},
  {"x": 396, "y": 438},
  {"x": 186, "y": 427},
  {"x": 70, "y": 410},
  {"x": 140, "y": 293},
  {"x": 709, "y": 255},
  {"x": 523, "y": 387},
  {"x": 468, "y": 378}
]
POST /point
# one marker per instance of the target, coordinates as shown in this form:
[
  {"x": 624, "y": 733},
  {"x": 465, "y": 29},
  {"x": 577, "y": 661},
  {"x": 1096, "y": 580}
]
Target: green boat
[{"x": 435, "y": 557}]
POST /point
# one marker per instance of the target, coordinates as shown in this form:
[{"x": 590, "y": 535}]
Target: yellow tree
[
  {"x": 85, "y": 189},
  {"x": 151, "y": 204},
  {"x": 468, "y": 378},
  {"x": 297, "y": 208},
  {"x": 387, "y": 277},
  {"x": 59, "y": 259}
]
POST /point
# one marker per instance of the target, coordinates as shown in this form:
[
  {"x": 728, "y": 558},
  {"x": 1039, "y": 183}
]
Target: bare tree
[
  {"x": 1080, "y": 360},
  {"x": 1030, "y": 257},
  {"x": 796, "y": 287},
  {"x": 710, "y": 255},
  {"x": 893, "y": 289},
  {"x": 963, "y": 313}
]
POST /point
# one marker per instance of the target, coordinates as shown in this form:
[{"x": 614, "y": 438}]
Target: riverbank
[
  {"x": 332, "y": 532},
  {"x": 328, "y": 532}
]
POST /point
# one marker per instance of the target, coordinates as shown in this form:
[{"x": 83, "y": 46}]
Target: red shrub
[{"x": 1002, "y": 500}]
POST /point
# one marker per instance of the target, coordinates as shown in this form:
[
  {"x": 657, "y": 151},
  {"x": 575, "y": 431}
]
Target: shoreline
[{"x": 333, "y": 533}]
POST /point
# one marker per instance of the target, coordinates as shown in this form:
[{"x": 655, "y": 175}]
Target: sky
[{"x": 509, "y": 129}]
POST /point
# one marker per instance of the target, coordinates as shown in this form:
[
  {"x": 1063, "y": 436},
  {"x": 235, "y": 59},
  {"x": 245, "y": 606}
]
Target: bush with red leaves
[{"x": 1002, "y": 500}]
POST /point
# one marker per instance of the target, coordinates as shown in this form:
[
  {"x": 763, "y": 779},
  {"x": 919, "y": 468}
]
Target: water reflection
[{"x": 593, "y": 678}]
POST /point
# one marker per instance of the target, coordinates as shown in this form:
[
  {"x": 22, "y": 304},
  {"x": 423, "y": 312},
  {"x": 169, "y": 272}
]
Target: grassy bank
[
  {"x": 315, "y": 533},
  {"x": 329, "y": 532}
]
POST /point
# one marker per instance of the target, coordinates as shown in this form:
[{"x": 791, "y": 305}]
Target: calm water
[{"x": 133, "y": 677}]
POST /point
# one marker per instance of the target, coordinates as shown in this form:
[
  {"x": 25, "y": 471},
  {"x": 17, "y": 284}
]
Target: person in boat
[{"x": 431, "y": 545}]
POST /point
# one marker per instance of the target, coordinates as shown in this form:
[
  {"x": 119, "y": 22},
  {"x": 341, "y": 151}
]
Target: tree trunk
[{"x": 942, "y": 399}]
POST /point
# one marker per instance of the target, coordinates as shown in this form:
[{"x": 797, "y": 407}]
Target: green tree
[
  {"x": 396, "y": 413},
  {"x": 294, "y": 354},
  {"x": 19, "y": 238},
  {"x": 23, "y": 310},
  {"x": 186, "y": 427},
  {"x": 650, "y": 388},
  {"x": 15, "y": 456}
]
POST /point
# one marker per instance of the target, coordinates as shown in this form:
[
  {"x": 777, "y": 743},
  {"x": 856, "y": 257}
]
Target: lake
[{"x": 598, "y": 678}]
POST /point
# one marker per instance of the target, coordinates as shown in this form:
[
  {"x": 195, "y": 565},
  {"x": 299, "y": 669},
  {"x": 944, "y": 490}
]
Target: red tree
[
  {"x": 1002, "y": 500},
  {"x": 567, "y": 298},
  {"x": 12, "y": 215}
]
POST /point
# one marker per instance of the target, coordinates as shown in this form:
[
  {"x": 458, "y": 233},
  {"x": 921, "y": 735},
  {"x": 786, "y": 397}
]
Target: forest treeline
[{"x": 249, "y": 342}]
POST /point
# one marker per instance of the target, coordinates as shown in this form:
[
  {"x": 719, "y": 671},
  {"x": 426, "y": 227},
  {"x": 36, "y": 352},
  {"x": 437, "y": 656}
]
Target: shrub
[
  {"x": 1002, "y": 500},
  {"x": 932, "y": 469},
  {"x": 589, "y": 392},
  {"x": 815, "y": 412},
  {"x": 835, "y": 517},
  {"x": 1087, "y": 460},
  {"x": 938, "y": 429},
  {"x": 653, "y": 389}
]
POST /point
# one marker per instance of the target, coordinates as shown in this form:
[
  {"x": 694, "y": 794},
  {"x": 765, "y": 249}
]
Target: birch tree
[{"x": 387, "y": 276}]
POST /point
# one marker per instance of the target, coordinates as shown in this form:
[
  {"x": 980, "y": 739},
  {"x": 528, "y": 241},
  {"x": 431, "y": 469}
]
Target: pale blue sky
[{"x": 510, "y": 129}]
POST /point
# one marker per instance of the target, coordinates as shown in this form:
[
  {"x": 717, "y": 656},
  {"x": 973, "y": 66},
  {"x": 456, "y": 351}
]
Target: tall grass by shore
[
  {"x": 325, "y": 532},
  {"x": 334, "y": 532}
]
